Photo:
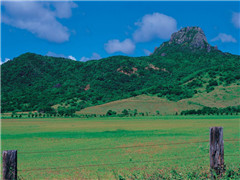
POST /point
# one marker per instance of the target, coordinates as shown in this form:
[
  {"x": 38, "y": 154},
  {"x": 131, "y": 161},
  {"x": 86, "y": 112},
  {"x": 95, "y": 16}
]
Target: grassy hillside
[
  {"x": 220, "y": 97},
  {"x": 143, "y": 104}
]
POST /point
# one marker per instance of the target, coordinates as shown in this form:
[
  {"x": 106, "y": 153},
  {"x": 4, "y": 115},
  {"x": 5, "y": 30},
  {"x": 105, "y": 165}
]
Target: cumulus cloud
[
  {"x": 64, "y": 9},
  {"x": 60, "y": 55},
  {"x": 95, "y": 56},
  {"x": 236, "y": 19},
  {"x": 40, "y": 18},
  {"x": 154, "y": 25},
  {"x": 127, "y": 46},
  {"x": 224, "y": 38}
]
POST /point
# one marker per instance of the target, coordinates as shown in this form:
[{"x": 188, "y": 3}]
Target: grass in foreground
[{"x": 107, "y": 148}]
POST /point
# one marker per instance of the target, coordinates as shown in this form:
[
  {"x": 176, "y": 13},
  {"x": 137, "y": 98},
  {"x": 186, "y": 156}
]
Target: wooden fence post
[
  {"x": 216, "y": 152},
  {"x": 9, "y": 165}
]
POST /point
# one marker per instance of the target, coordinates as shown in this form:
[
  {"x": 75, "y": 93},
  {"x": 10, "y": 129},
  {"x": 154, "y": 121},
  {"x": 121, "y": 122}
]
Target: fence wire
[
  {"x": 121, "y": 147},
  {"x": 118, "y": 163},
  {"x": 112, "y": 164}
]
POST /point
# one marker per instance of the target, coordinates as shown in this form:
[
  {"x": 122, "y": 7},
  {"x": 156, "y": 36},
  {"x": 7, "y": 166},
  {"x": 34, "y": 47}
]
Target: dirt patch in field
[
  {"x": 151, "y": 66},
  {"x": 165, "y": 70},
  {"x": 129, "y": 72},
  {"x": 87, "y": 87}
]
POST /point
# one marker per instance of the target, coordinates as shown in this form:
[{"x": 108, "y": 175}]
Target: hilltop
[
  {"x": 184, "y": 67},
  {"x": 188, "y": 39}
]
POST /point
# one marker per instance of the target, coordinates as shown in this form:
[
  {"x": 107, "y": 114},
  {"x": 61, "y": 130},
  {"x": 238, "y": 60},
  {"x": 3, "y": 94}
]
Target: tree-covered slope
[{"x": 35, "y": 82}]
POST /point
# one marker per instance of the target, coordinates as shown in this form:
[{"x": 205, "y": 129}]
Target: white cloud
[
  {"x": 6, "y": 59},
  {"x": 236, "y": 19},
  {"x": 224, "y": 38},
  {"x": 154, "y": 25},
  {"x": 72, "y": 58},
  {"x": 39, "y": 18},
  {"x": 126, "y": 46},
  {"x": 95, "y": 56},
  {"x": 60, "y": 55},
  {"x": 64, "y": 9},
  {"x": 147, "y": 52}
]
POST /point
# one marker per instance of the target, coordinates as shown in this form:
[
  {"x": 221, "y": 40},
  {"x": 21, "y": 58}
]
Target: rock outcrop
[
  {"x": 194, "y": 37},
  {"x": 188, "y": 38}
]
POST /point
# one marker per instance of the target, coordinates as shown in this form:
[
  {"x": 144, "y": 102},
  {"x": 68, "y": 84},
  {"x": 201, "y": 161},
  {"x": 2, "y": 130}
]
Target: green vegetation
[
  {"x": 105, "y": 119},
  {"x": 212, "y": 111},
  {"x": 33, "y": 82},
  {"x": 184, "y": 67},
  {"x": 157, "y": 150}
]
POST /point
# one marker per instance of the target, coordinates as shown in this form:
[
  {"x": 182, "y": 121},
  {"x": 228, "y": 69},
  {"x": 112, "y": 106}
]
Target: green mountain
[{"x": 181, "y": 68}]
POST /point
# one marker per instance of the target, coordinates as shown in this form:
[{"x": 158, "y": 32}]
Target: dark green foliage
[
  {"x": 187, "y": 173},
  {"x": 211, "y": 111},
  {"x": 33, "y": 82},
  {"x": 209, "y": 88},
  {"x": 125, "y": 112},
  {"x": 195, "y": 83},
  {"x": 110, "y": 113}
]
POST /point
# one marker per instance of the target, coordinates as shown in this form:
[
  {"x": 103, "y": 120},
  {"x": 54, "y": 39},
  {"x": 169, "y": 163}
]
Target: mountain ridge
[{"x": 34, "y": 82}]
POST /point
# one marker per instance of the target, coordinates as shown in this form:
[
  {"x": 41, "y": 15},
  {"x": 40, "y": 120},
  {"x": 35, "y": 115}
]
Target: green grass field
[{"x": 66, "y": 138}]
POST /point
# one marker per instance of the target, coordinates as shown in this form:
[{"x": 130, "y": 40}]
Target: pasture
[{"x": 114, "y": 147}]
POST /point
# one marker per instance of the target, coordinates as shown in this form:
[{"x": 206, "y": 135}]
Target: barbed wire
[
  {"x": 121, "y": 147},
  {"x": 111, "y": 164},
  {"x": 118, "y": 163}
]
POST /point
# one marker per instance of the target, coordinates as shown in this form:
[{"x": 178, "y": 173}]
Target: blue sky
[{"x": 93, "y": 30}]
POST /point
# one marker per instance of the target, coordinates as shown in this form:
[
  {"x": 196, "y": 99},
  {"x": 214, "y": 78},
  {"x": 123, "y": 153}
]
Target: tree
[
  {"x": 61, "y": 110},
  {"x": 135, "y": 112},
  {"x": 110, "y": 113},
  {"x": 125, "y": 112}
]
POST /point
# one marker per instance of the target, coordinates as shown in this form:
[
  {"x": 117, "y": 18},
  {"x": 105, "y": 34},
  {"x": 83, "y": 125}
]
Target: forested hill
[{"x": 178, "y": 69}]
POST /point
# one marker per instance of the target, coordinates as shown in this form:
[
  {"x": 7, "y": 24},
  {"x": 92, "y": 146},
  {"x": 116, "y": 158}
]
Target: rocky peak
[
  {"x": 190, "y": 38},
  {"x": 194, "y": 37}
]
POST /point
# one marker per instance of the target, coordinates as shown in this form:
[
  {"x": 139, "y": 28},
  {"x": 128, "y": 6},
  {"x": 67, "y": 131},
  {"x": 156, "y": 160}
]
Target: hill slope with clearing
[{"x": 220, "y": 97}]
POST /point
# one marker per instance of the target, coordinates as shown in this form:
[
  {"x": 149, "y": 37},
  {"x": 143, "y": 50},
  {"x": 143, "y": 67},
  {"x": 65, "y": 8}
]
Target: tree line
[{"x": 231, "y": 110}]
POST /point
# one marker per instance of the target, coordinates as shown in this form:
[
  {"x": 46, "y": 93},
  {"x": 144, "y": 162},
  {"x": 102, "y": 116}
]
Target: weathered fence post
[
  {"x": 216, "y": 152},
  {"x": 9, "y": 165}
]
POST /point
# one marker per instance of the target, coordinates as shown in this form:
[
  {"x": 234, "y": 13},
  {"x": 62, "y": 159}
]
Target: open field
[{"x": 59, "y": 148}]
